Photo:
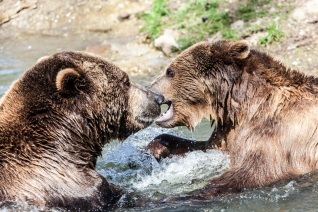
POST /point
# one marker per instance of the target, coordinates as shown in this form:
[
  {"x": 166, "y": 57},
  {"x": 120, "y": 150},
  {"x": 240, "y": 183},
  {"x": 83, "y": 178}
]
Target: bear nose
[{"x": 159, "y": 98}]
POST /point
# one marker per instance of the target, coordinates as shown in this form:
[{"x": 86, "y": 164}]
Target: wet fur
[
  {"x": 54, "y": 122},
  {"x": 266, "y": 114}
]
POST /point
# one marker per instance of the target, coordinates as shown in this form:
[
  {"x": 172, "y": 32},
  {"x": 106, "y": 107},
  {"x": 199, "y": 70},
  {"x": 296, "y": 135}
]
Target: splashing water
[{"x": 129, "y": 165}]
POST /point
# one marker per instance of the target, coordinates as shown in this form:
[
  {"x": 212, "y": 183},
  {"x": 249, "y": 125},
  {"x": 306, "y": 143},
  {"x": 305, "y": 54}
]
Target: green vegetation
[
  {"x": 274, "y": 34},
  {"x": 199, "y": 20},
  {"x": 252, "y": 9},
  {"x": 153, "y": 20}
]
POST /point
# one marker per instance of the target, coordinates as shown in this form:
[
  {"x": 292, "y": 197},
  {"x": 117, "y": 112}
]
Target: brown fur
[
  {"x": 265, "y": 114},
  {"x": 54, "y": 122}
]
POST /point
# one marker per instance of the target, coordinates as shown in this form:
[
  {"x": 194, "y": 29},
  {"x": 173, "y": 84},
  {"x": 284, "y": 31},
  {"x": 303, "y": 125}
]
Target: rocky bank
[{"x": 111, "y": 28}]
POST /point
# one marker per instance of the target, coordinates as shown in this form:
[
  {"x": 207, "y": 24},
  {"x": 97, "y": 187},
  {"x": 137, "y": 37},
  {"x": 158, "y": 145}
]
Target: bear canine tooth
[{"x": 167, "y": 115}]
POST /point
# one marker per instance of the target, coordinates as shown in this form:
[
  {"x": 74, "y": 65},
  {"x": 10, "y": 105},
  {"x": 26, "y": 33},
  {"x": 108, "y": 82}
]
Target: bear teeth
[
  {"x": 167, "y": 115},
  {"x": 169, "y": 103}
]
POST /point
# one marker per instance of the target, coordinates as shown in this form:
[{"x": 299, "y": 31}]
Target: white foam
[
  {"x": 182, "y": 174},
  {"x": 129, "y": 165}
]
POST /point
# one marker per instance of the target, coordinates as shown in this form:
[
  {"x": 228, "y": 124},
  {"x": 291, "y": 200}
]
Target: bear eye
[
  {"x": 127, "y": 84},
  {"x": 170, "y": 73}
]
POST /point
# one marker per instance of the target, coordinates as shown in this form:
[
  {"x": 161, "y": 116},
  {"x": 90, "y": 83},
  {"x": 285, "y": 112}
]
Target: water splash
[{"x": 129, "y": 165}]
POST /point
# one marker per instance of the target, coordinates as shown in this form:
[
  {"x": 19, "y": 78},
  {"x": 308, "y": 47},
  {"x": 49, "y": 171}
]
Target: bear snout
[
  {"x": 159, "y": 98},
  {"x": 146, "y": 106}
]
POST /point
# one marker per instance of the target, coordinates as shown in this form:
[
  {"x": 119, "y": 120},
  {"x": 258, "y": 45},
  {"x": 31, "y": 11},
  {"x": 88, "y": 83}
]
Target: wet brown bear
[
  {"x": 54, "y": 122},
  {"x": 265, "y": 114}
]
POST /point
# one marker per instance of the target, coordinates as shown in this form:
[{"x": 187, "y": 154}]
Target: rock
[
  {"x": 306, "y": 12},
  {"x": 98, "y": 48},
  {"x": 123, "y": 16},
  {"x": 295, "y": 63},
  {"x": 10, "y": 9},
  {"x": 216, "y": 37},
  {"x": 238, "y": 25},
  {"x": 255, "y": 38},
  {"x": 167, "y": 42},
  {"x": 204, "y": 19}
]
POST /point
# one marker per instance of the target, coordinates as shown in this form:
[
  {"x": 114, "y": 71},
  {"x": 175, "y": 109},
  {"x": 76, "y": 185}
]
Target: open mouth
[{"x": 168, "y": 114}]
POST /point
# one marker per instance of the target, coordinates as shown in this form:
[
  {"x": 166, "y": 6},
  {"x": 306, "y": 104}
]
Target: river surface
[{"x": 127, "y": 164}]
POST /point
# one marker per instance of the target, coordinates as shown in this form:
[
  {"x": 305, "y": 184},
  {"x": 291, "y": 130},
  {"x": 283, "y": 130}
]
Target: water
[{"x": 128, "y": 165}]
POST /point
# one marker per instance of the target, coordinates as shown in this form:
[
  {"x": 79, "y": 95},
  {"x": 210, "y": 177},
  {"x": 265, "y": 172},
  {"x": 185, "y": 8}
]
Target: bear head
[
  {"x": 73, "y": 103},
  {"x": 193, "y": 82}
]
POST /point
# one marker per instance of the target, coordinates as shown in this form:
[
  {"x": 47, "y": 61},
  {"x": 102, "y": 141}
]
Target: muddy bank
[
  {"x": 111, "y": 29},
  {"x": 300, "y": 46}
]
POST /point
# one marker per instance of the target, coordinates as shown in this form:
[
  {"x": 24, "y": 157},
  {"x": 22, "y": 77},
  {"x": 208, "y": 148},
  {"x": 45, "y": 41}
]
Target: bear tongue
[{"x": 167, "y": 115}]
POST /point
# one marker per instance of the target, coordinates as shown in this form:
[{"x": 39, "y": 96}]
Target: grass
[
  {"x": 274, "y": 34},
  {"x": 252, "y": 9},
  {"x": 230, "y": 34},
  {"x": 153, "y": 20},
  {"x": 198, "y": 20}
]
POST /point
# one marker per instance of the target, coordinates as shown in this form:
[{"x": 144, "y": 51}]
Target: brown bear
[
  {"x": 265, "y": 115},
  {"x": 54, "y": 122}
]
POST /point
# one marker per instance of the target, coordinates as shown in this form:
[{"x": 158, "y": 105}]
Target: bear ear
[
  {"x": 69, "y": 81},
  {"x": 240, "y": 49},
  {"x": 42, "y": 59}
]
